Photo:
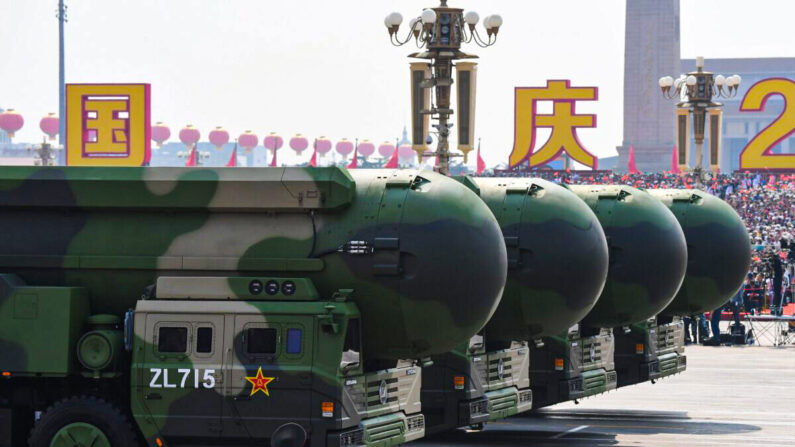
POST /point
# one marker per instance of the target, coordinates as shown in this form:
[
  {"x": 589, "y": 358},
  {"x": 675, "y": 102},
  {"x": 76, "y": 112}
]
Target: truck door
[
  {"x": 183, "y": 374},
  {"x": 270, "y": 381}
]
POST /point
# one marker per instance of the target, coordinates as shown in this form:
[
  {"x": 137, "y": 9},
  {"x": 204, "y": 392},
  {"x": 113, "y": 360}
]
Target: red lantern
[
  {"x": 49, "y": 125},
  {"x": 366, "y": 148},
  {"x": 11, "y": 121},
  {"x": 248, "y": 141},
  {"x": 160, "y": 133},
  {"x": 298, "y": 143},
  {"x": 322, "y": 145},
  {"x": 273, "y": 141},
  {"x": 189, "y": 135},
  {"x": 386, "y": 149},
  {"x": 406, "y": 151},
  {"x": 219, "y": 137},
  {"x": 344, "y": 147}
]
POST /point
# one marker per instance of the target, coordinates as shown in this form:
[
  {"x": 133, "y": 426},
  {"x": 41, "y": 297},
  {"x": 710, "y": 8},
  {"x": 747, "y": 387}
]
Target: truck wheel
[{"x": 82, "y": 422}]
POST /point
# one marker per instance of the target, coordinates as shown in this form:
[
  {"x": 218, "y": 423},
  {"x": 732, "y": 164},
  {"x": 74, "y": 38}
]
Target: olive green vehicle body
[
  {"x": 557, "y": 266},
  {"x": 416, "y": 256},
  {"x": 718, "y": 258},
  {"x": 648, "y": 254},
  {"x": 647, "y": 260},
  {"x": 718, "y": 250}
]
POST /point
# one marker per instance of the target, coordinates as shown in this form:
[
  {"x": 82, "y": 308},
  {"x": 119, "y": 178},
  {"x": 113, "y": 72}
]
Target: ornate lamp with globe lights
[
  {"x": 696, "y": 91},
  {"x": 439, "y": 32}
]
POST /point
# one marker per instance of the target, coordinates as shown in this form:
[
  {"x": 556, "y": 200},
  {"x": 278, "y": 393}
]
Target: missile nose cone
[
  {"x": 558, "y": 266},
  {"x": 718, "y": 250},
  {"x": 648, "y": 254},
  {"x": 456, "y": 262}
]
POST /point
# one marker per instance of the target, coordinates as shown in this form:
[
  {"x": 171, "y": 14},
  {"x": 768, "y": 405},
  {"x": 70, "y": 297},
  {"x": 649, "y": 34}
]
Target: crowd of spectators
[{"x": 765, "y": 202}]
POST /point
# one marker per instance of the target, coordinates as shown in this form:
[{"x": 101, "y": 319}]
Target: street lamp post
[
  {"x": 695, "y": 92},
  {"x": 440, "y": 32},
  {"x": 61, "y": 16}
]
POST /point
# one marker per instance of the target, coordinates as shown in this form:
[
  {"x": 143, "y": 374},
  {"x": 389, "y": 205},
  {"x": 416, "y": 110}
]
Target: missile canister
[
  {"x": 718, "y": 250},
  {"x": 423, "y": 256},
  {"x": 648, "y": 254},
  {"x": 557, "y": 257}
]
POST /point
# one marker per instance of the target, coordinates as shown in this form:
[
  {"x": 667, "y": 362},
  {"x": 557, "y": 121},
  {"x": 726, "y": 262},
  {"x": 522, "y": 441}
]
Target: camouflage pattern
[
  {"x": 415, "y": 259},
  {"x": 557, "y": 257},
  {"x": 718, "y": 250},
  {"x": 424, "y": 255},
  {"x": 301, "y": 380},
  {"x": 648, "y": 254},
  {"x": 557, "y": 260}
]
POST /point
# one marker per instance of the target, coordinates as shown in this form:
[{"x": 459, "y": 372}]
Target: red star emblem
[{"x": 259, "y": 383}]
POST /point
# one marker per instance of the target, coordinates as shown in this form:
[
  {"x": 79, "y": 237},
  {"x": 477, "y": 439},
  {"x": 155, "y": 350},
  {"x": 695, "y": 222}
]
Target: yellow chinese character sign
[
  {"x": 107, "y": 124},
  {"x": 563, "y": 123}
]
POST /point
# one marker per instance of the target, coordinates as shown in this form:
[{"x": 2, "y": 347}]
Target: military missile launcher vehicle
[
  {"x": 557, "y": 266},
  {"x": 648, "y": 256},
  {"x": 173, "y": 306},
  {"x": 718, "y": 257},
  {"x": 642, "y": 348}
]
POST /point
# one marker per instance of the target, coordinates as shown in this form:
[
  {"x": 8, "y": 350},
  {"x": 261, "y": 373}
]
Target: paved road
[{"x": 729, "y": 396}]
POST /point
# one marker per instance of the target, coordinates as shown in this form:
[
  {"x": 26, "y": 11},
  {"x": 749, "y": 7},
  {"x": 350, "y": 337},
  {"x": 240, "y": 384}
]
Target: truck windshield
[{"x": 352, "y": 347}]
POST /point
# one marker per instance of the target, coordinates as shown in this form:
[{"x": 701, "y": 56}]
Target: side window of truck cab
[
  {"x": 261, "y": 342},
  {"x": 171, "y": 339}
]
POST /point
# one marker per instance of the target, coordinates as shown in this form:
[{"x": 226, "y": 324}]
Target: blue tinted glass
[{"x": 293, "y": 341}]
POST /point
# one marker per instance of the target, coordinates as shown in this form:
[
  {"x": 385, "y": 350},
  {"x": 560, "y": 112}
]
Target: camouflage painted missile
[
  {"x": 423, "y": 255},
  {"x": 557, "y": 257},
  {"x": 718, "y": 250},
  {"x": 648, "y": 254}
]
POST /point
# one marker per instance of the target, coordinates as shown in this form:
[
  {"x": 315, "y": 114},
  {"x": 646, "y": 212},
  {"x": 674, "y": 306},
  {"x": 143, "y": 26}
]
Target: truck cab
[
  {"x": 471, "y": 385},
  {"x": 650, "y": 350},
  {"x": 572, "y": 366},
  {"x": 252, "y": 359}
]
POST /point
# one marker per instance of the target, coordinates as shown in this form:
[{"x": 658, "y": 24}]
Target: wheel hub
[{"x": 80, "y": 434}]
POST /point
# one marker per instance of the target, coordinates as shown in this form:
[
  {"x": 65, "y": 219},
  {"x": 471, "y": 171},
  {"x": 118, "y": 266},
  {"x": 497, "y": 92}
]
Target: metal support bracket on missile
[{"x": 650, "y": 351}]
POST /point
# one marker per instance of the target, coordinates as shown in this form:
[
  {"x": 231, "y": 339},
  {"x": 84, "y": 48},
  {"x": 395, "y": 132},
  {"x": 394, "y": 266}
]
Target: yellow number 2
[{"x": 757, "y": 153}]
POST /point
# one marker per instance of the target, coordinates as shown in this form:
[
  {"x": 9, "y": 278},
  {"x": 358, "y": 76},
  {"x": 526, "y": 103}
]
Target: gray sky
[{"x": 323, "y": 67}]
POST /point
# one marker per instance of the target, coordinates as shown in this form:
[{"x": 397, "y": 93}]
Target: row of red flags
[{"x": 633, "y": 169}]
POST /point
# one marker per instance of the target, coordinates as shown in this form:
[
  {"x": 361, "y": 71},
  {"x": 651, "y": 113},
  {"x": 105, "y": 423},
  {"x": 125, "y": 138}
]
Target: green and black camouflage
[
  {"x": 718, "y": 250},
  {"x": 648, "y": 254},
  {"x": 557, "y": 258},
  {"x": 424, "y": 255},
  {"x": 415, "y": 260}
]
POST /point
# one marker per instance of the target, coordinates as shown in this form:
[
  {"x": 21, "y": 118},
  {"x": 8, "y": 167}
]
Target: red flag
[
  {"x": 393, "y": 161},
  {"x": 273, "y": 161},
  {"x": 675, "y": 161},
  {"x": 355, "y": 162},
  {"x": 192, "y": 158},
  {"x": 313, "y": 160},
  {"x": 631, "y": 163},
  {"x": 233, "y": 159},
  {"x": 481, "y": 163}
]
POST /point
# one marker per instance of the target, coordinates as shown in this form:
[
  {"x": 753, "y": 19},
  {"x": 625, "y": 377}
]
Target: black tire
[{"x": 87, "y": 409}]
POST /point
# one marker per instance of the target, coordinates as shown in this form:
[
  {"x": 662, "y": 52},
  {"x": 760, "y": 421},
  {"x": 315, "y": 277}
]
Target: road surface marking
[{"x": 573, "y": 430}]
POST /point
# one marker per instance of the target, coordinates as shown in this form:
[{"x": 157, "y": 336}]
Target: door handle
[{"x": 153, "y": 396}]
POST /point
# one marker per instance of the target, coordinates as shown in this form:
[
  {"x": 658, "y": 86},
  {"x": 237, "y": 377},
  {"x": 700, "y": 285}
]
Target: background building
[
  {"x": 651, "y": 50},
  {"x": 740, "y": 127}
]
